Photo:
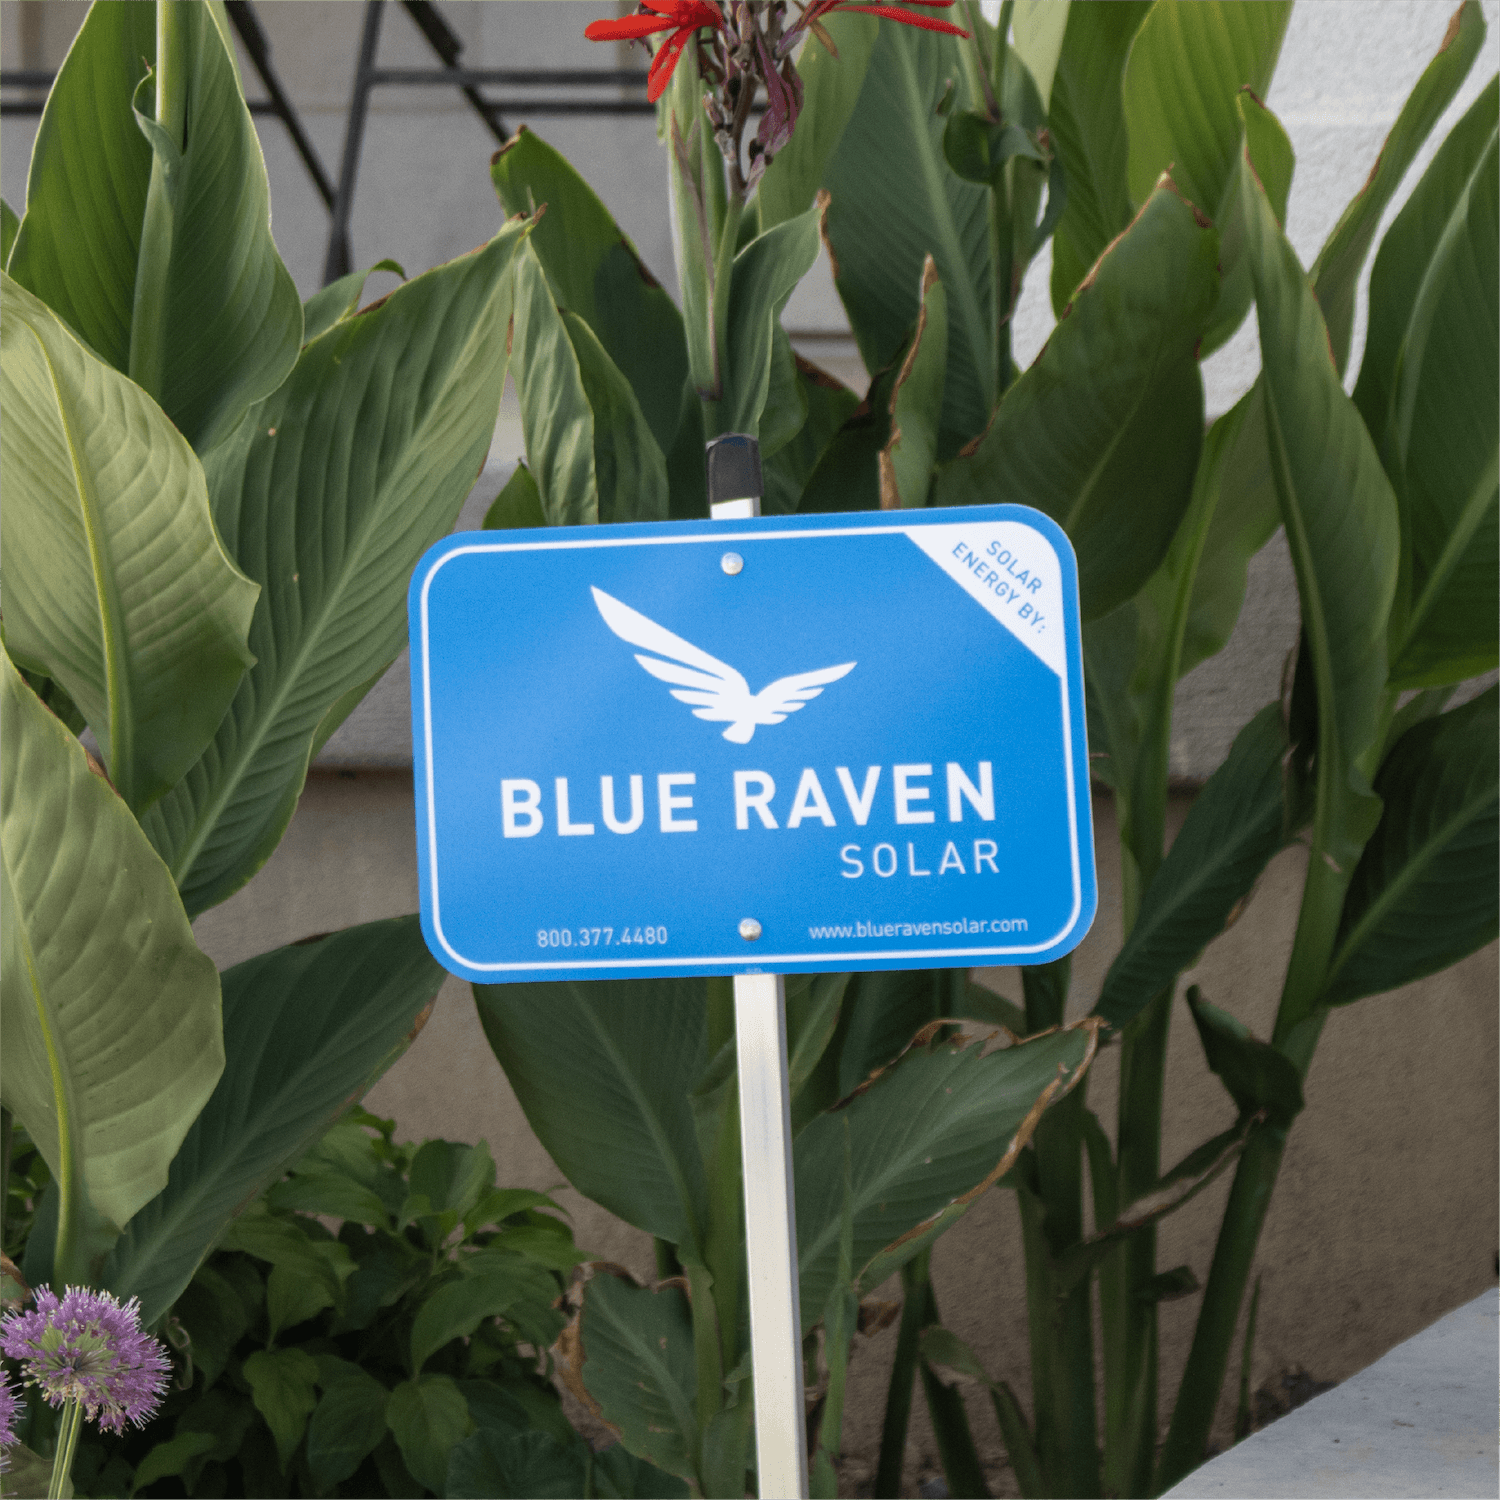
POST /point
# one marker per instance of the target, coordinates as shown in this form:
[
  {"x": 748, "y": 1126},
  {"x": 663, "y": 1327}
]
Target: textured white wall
[{"x": 424, "y": 196}]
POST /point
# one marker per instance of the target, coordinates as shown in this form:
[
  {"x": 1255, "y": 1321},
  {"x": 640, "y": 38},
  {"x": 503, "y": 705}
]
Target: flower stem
[
  {"x": 5, "y": 1144},
  {"x": 67, "y": 1445}
]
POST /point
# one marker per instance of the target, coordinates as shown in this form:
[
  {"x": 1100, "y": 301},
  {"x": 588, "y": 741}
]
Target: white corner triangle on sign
[{"x": 1012, "y": 571}]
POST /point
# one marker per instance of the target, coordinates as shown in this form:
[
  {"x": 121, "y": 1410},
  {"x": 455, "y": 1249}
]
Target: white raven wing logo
[{"x": 722, "y": 694}]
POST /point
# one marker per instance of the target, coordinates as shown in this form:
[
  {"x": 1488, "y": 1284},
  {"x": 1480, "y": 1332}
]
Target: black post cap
[{"x": 733, "y": 468}]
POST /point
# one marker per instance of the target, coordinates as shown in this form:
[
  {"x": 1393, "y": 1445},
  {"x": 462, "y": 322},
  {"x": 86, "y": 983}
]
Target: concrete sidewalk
[{"x": 1420, "y": 1421}]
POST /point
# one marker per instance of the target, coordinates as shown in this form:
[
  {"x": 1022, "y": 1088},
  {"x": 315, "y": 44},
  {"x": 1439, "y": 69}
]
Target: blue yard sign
[{"x": 786, "y": 744}]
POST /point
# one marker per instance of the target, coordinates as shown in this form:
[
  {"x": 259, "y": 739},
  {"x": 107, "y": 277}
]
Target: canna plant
[
  {"x": 214, "y": 498},
  {"x": 934, "y": 166}
]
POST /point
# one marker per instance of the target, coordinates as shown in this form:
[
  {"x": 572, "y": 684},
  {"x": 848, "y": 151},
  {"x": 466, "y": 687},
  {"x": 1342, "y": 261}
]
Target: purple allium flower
[
  {"x": 8, "y": 1406},
  {"x": 86, "y": 1347}
]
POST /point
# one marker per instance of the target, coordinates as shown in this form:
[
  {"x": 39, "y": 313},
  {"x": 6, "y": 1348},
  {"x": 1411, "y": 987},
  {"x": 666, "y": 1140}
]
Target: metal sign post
[{"x": 734, "y": 489}]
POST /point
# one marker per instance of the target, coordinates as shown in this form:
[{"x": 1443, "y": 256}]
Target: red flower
[
  {"x": 682, "y": 18},
  {"x": 820, "y": 8}
]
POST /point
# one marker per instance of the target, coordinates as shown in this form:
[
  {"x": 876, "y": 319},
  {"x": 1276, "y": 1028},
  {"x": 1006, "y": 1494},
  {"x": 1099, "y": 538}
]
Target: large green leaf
[
  {"x": 154, "y": 240},
  {"x": 494, "y": 1463},
  {"x": 1267, "y": 152},
  {"x": 428, "y": 1417},
  {"x": 116, "y": 583},
  {"x": 846, "y": 475},
  {"x": 306, "y": 1029},
  {"x": 830, "y": 91},
  {"x": 636, "y": 1348},
  {"x": 283, "y": 1385},
  {"x": 885, "y": 1009},
  {"x": 927, "y": 1136},
  {"x": 765, "y": 274},
  {"x": 1188, "y": 62},
  {"x": 488, "y": 1288},
  {"x": 1425, "y": 892},
  {"x": 630, "y": 474},
  {"x": 110, "y": 1011},
  {"x": 1086, "y": 117},
  {"x": 1244, "y": 519},
  {"x": 595, "y": 272},
  {"x": 1428, "y": 390},
  {"x": 695, "y": 174},
  {"x": 308, "y": 1271},
  {"x": 1192, "y": 92},
  {"x": 894, "y": 202},
  {"x": 587, "y": 444},
  {"x": 340, "y": 299},
  {"x": 1340, "y": 518},
  {"x": 1103, "y": 431},
  {"x": 90, "y": 169},
  {"x": 1183, "y": 614},
  {"x": 346, "y": 1427},
  {"x": 603, "y": 1070},
  {"x": 327, "y": 497},
  {"x": 1233, "y": 829},
  {"x": 1335, "y": 273},
  {"x": 786, "y": 472},
  {"x": 1038, "y": 29},
  {"x": 171, "y": 1458}
]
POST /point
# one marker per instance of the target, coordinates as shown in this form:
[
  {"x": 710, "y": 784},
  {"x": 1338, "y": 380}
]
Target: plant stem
[
  {"x": 1244, "y": 1417},
  {"x": 914, "y": 1285},
  {"x": 1299, "y": 1020},
  {"x": 67, "y": 1444},
  {"x": 5, "y": 1144},
  {"x": 1059, "y": 1143},
  {"x": 724, "y": 1246},
  {"x": 1002, "y": 239},
  {"x": 1208, "y": 1360},
  {"x": 1143, "y": 1056},
  {"x": 705, "y": 1345},
  {"x": 1074, "y": 1457},
  {"x": 148, "y": 334},
  {"x": 172, "y": 68},
  {"x": 723, "y": 273}
]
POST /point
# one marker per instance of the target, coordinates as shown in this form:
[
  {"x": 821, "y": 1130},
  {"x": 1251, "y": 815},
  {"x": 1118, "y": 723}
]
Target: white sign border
[{"x": 735, "y": 963}]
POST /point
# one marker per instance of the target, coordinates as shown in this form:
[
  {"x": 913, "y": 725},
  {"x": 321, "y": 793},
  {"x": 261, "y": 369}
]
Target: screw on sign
[{"x": 753, "y": 746}]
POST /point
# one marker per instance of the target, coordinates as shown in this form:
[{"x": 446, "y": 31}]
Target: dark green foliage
[{"x": 399, "y": 1352}]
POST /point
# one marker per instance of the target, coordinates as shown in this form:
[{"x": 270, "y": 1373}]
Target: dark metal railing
[{"x": 446, "y": 45}]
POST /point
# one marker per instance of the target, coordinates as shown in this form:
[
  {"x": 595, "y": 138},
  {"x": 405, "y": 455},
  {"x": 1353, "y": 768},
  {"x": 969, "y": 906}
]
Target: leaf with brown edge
[
  {"x": 1335, "y": 273},
  {"x": 928, "y": 1134},
  {"x": 596, "y": 272},
  {"x": 632, "y": 1353},
  {"x": 907, "y": 459}
]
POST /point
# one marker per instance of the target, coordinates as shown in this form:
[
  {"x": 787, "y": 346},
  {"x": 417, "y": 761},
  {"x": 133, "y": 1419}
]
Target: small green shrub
[{"x": 375, "y": 1323}]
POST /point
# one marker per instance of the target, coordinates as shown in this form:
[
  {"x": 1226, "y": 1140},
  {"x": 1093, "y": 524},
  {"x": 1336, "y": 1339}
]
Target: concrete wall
[{"x": 1386, "y": 1213}]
